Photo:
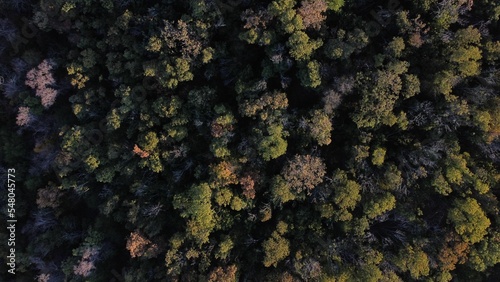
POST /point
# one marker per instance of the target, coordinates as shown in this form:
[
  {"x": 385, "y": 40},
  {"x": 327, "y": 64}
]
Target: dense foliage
[{"x": 246, "y": 140}]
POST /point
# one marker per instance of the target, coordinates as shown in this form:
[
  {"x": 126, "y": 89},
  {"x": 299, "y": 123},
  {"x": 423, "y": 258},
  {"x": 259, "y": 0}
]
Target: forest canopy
[{"x": 246, "y": 140}]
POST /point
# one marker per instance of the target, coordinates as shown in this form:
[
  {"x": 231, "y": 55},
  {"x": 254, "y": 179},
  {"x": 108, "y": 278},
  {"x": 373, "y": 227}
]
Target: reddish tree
[
  {"x": 41, "y": 79},
  {"x": 86, "y": 264},
  {"x": 254, "y": 19}
]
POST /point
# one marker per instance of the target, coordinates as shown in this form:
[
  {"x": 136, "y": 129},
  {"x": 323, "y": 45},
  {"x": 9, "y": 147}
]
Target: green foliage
[
  {"x": 485, "y": 254},
  {"x": 283, "y": 9},
  {"x": 346, "y": 43},
  {"x": 379, "y": 204},
  {"x": 335, "y": 5},
  {"x": 310, "y": 75},
  {"x": 149, "y": 141},
  {"x": 396, "y": 47},
  {"x": 414, "y": 261},
  {"x": 301, "y": 49},
  {"x": 346, "y": 195},
  {"x": 469, "y": 220},
  {"x": 224, "y": 248},
  {"x": 276, "y": 248},
  {"x": 273, "y": 145},
  {"x": 321, "y": 127},
  {"x": 304, "y": 173},
  {"x": 280, "y": 190}
]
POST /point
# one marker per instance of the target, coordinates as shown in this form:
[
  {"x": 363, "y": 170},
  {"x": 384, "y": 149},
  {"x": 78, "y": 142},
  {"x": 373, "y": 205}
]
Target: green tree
[
  {"x": 287, "y": 15},
  {"x": 335, "y": 5},
  {"x": 148, "y": 142},
  {"x": 310, "y": 75}
]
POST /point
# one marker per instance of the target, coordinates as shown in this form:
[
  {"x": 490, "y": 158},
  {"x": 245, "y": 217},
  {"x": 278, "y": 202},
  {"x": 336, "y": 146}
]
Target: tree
[
  {"x": 273, "y": 145},
  {"x": 268, "y": 107},
  {"x": 7, "y": 30},
  {"x": 414, "y": 261},
  {"x": 310, "y": 75},
  {"x": 331, "y": 101},
  {"x": 247, "y": 184},
  {"x": 441, "y": 185},
  {"x": 396, "y": 47},
  {"x": 87, "y": 263},
  {"x": 312, "y": 12},
  {"x": 276, "y": 248},
  {"x": 346, "y": 43},
  {"x": 139, "y": 246},
  {"x": 303, "y": 173},
  {"x": 346, "y": 195},
  {"x": 224, "y": 173},
  {"x": 378, "y": 156},
  {"x": 49, "y": 196},
  {"x": 281, "y": 190},
  {"x": 149, "y": 142},
  {"x": 224, "y": 274},
  {"x": 380, "y": 94},
  {"x": 302, "y": 47},
  {"x": 141, "y": 153},
  {"x": 320, "y": 127},
  {"x": 42, "y": 80},
  {"x": 335, "y": 5},
  {"x": 486, "y": 253},
  {"x": 391, "y": 179},
  {"x": 24, "y": 117},
  {"x": 469, "y": 220},
  {"x": 454, "y": 251},
  {"x": 379, "y": 204},
  {"x": 285, "y": 12},
  {"x": 195, "y": 205}
]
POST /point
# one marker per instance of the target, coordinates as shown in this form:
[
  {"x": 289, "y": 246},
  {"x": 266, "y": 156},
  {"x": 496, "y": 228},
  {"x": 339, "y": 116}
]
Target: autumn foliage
[{"x": 42, "y": 81}]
